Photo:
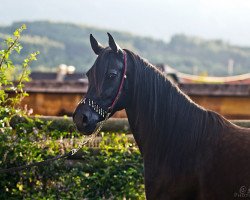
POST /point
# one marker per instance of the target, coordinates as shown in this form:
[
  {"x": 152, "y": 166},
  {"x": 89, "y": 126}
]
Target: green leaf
[{"x": 16, "y": 33}]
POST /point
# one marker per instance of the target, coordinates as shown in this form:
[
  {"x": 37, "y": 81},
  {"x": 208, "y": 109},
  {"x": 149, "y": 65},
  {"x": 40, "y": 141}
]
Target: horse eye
[{"x": 112, "y": 75}]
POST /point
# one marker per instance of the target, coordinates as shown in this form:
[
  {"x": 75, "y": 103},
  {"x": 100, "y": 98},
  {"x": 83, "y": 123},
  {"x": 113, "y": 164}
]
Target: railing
[
  {"x": 122, "y": 125},
  {"x": 119, "y": 125}
]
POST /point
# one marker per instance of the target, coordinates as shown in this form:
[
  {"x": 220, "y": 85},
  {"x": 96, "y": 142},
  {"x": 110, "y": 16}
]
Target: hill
[{"x": 69, "y": 44}]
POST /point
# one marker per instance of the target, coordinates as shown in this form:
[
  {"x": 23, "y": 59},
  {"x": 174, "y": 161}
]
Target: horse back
[{"x": 228, "y": 174}]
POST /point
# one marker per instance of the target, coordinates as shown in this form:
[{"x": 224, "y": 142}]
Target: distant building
[
  {"x": 64, "y": 73},
  {"x": 169, "y": 72},
  {"x": 178, "y": 77}
]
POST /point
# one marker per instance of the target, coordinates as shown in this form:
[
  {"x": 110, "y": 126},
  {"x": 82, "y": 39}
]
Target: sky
[{"x": 228, "y": 20}]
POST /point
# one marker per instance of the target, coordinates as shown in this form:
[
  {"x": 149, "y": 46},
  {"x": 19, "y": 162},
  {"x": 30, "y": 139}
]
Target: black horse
[{"x": 189, "y": 152}]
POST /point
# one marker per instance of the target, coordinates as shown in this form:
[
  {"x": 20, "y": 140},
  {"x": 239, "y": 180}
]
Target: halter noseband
[{"x": 98, "y": 109}]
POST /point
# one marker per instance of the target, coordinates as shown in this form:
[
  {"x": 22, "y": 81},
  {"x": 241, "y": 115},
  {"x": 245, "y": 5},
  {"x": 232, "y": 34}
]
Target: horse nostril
[{"x": 84, "y": 120}]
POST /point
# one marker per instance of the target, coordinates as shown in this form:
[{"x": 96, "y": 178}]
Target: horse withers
[{"x": 188, "y": 152}]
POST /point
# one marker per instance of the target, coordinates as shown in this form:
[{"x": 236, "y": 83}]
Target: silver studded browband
[{"x": 98, "y": 109}]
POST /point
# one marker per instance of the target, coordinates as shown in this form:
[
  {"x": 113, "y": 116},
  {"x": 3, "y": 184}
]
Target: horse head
[{"x": 106, "y": 86}]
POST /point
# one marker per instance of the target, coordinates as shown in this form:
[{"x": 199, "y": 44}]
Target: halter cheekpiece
[{"x": 97, "y": 108}]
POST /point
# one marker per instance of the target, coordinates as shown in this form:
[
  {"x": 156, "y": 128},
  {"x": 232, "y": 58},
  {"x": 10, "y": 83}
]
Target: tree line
[{"x": 69, "y": 44}]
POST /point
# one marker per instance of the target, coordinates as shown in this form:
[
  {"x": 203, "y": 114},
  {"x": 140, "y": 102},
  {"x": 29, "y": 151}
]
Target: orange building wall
[
  {"x": 230, "y": 107},
  {"x": 58, "y": 104},
  {"x": 52, "y": 104}
]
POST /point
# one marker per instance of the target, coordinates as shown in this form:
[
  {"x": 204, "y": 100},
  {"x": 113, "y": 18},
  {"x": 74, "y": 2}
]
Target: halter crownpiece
[{"x": 98, "y": 109}]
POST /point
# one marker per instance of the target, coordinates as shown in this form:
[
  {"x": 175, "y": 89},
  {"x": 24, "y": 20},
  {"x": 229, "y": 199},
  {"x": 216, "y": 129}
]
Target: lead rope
[
  {"x": 66, "y": 155},
  {"x": 93, "y": 135}
]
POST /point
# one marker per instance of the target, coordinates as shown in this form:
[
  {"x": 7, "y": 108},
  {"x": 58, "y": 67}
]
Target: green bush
[
  {"x": 12, "y": 93},
  {"x": 112, "y": 172}
]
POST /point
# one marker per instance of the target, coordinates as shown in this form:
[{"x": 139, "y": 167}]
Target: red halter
[
  {"x": 122, "y": 82},
  {"x": 98, "y": 109}
]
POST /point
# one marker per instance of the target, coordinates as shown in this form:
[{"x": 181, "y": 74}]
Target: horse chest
[{"x": 160, "y": 183}]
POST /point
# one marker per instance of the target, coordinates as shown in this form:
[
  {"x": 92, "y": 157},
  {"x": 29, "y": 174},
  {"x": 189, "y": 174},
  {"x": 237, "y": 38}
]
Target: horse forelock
[{"x": 99, "y": 69}]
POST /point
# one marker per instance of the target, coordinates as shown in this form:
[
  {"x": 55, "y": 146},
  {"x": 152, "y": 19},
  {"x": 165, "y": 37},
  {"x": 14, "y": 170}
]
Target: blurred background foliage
[{"x": 69, "y": 44}]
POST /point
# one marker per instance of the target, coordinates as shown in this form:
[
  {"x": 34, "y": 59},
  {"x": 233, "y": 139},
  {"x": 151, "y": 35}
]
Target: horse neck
[{"x": 160, "y": 114}]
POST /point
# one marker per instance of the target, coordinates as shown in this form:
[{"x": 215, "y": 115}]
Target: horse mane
[{"x": 172, "y": 121}]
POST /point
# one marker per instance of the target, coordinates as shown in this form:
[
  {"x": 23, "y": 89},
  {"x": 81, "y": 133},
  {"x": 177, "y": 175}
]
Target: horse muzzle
[{"x": 85, "y": 119}]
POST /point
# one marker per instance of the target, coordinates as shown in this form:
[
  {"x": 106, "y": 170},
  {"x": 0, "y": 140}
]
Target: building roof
[
  {"x": 81, "y": 87},
  {"x": 39, "y": 76}
]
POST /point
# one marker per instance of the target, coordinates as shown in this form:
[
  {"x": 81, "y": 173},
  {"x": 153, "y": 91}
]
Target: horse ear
[
  {"x": 113, "y": 45},
  {"x": 96, "y": 46}
]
